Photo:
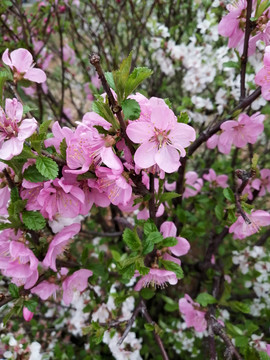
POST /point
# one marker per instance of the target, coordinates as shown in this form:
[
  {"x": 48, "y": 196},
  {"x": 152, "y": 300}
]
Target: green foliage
[
  {"x": 131, "y": 109},
  {"x": 138, "y": 75},
  {"x": 172, "y": 266},
  {"x": 33, "y": 220},
  {"x": 63, "y": 148},
  {"x": 132, "y": 239},
  {"x": 14, "y": 290},
  {"x": 47, "y": 167},
  {"x": 104, "y": 110},
  {"x": 205, "y": 299},
  {"x": 229, "y": 195},
  {"x": 33, "y": 175}
]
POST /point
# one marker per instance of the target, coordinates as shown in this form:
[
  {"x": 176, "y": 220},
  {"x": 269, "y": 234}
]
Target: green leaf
[
  {"x": 219, "y": 211},
  {"x": 131, "y": 109},
  {"x": 239, "y": 306},
  {"x": 149, "y": 227},
  {"x": 204, "y": 299},
  {"x": 172, "y": 266},
  {"x": 14, "y": 194},
  {"x": 168, "y": 196},
  {"x": 132, "y": 239},
  {"x": 33, "y": 175},
  {"x": 5, "y": 74},
  {"x": 33, "y": 220},
  {"x": 116, "y": 255},
  {"x": 104, "y": 110},
  {"x": 229, "y": 195},
  {"x": 233, "y": 329},
  {"x": 147, "y": 293},
  {"x": 37, "y": 141},
  {"x": 31, "y": 304},
  {"x": 171, "y": 307},
  {"x": 14, "y": 290},
  {"x": 110, "y": 81},
  {"x": 47, "y": 167},
  {"x": 149, "y": 327},
  {"x": 120, "y": 78},
  {"x": 43, "y": 129},
  {"x": 241, "y": 341},
  {"x": 183, "y": 117},
  {"x": 231, "y": 64},
  {"x": 168, "y": 242},
  {"x": 63, "y": 148},
  {"x": 231, "y": 215},
  {"x": 138, "y": 75},
  {"x": 5, "y": 226},
  {"x": 263, "y": 355},
  {"x": 85, "y": 176}
]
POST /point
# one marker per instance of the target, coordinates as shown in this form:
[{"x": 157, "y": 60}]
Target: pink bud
[{"x": 27, "y": 314}]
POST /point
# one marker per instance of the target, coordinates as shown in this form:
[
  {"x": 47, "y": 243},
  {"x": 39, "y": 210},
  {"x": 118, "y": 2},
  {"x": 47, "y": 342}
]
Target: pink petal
[
  {"x": 21, "y": 59},
  {"x": 168, "y": 229},
  {"x": 27, "y": 128},
  {"x": 6, "y": 58},
  {"x": 181, "y": 248},
  {"x": 167, "y": 159},
  {"x": 140, "y": 131},
  {"x": 182, "y": 135},
  {"x": 36, "y": 75},
  {"x": 145, "y": 155}
]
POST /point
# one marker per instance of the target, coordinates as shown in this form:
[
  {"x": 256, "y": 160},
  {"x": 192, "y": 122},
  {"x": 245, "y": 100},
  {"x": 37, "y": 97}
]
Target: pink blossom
[
  {"x": 12, "y": 135},
  {"x": 168, "y": 229},
  {"x": 193, "y": 317},
  {"x": 114, "y": 184},
  {"x": 193, "y": 184},
  {"x": 220, "y": 180},
  {"x": 262, "y": 78},
  {"x": 241, "y": 229},
  {"x": 58, "y": 244},
  {"x": 69, "y": 54},
  {"x": 21, "y": 63},
  {"x": 27, "y": 314},
  {"x": 45, "y": 289},
  {"x": 156, "y": 277},
  {"x": 245, "y": 130},
  {"x": 59, "y": 135},
  {"x": 162, "y": 139},
  {"x": 262, "y": 184},
  {"x": 232, "y": 25},
  {"x": 78, "y": 281}
]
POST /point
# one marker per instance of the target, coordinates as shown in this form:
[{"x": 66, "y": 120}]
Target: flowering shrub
[{"x": 134, "y": 183}]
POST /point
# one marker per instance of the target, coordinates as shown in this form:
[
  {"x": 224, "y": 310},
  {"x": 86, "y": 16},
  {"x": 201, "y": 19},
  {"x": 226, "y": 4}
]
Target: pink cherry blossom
[
  {"x": 58, "y": 244},
  {"x": 45, "y": 289},
  {"x": 193, "y": 184},
  {"x": 21, "y": 63},
  {"x": 156, "y": 277},
  {"x": 162, "y": 139},
  {"x": 241, "y": 229},
  {"x": 27, "y": 314},
  {"x": 232, "y": 25},
  {"x": 193, "y": 317},
  {"x": 168, "y": 229},
  {"x": 216, "y": 180},
  {"x": 59, "y": 134},
  {"x": 78, "y": 281},
  {"x": 262, "y": 78},
  {"x": 12, "y": 135},
  {"x": 262, "y": 184}
]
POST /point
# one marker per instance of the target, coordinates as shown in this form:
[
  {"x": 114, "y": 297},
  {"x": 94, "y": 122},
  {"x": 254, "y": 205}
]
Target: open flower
[
  {"x": 262, "y": 184},
  {"x": 193, "y": 317},
  {"x": 12, "y": 135},
  {"x": 162, "y": 139},
  {"x": 216, "y": 180},
  {"x": 156, "y": 278},
  {"x": 21, "y": 63},
  {"x": 78, "y": 281}
]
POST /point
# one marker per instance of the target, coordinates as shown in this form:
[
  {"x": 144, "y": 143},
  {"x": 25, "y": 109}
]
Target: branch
[
  {"x": 116, "y": 108},
  {"x": 244, "y": 56},
  {"x": 152, "y": 205},
  {"x": 11, "y": 183}
]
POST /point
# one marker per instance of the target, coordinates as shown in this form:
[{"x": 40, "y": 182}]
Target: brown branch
[
  {"x": 62, "y": 63},
  {"x": 152, "y": 205},
  {"x": 11, "y": 183},
  {"x": 244, "y": 56}
]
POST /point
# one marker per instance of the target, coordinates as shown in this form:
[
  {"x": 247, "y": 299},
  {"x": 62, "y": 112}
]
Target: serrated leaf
[
  {"x": 241, "y": 341},
  {"x": 105, "y": 111},
  {"x": 63, "y": 148},
  {"x": 231, "y": 64},
  {"x": 138, "y": 75},
  {"x": 31, "y": 304},
  {"x": 43, "y": 129},
  {"x": 47, "y": 167},
  {"x": 204, "y": 299},
  {"x": 110, "y": 81},
  {"x": 120, "y": 78},
  {"x": 183, "y": 117},
  {"x": 116, "y": 255},
  {"x": 5, "y": 226},
  {"x": 14, "y": 290},
  {"x": 239, "y": 306},
  {"x": 132, "y": 239},
  {"x": 168, "y": 196},
  {"x": 14, "y": 194},
  {"x": 37, "y": 141},
  {"x": 219, "y": 211},
  {"x": 33, "y": 175},
  {"x": 131, "y": 109},
  {"x": 229, "y": 195},
  {"x": 33, "y": 220},
  {"x": 172, "y": 266},
  {"x": 149, "y": 227},
  {"x": 168, "y": 242},
  {"x": 233, "y": 329}
]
